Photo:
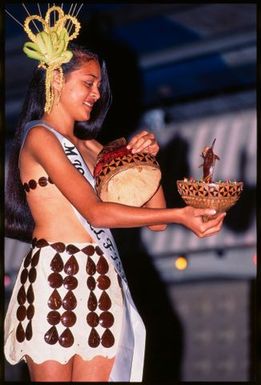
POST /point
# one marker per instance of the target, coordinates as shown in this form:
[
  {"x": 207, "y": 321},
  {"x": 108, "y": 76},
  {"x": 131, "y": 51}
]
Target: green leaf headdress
[{"x": 50, "y": 46}]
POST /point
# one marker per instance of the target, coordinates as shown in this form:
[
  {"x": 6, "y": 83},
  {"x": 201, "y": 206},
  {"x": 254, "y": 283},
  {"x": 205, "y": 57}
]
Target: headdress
[{"x": 50, "y": 46}]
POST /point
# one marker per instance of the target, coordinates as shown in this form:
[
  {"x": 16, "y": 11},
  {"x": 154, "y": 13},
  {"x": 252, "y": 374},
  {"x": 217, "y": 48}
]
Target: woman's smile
[{"x": 89, "y": 104}]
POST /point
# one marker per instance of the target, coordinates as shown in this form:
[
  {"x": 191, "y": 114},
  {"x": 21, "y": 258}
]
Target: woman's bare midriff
[{"x": 54, "y": 217}]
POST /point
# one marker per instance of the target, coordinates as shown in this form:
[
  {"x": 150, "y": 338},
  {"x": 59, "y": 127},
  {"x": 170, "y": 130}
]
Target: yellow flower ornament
[{"x": 50, "y": 46}]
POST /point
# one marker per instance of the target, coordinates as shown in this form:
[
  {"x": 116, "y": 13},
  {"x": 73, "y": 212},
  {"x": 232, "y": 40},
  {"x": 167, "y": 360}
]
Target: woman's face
[{"x": 81, "y": 91}]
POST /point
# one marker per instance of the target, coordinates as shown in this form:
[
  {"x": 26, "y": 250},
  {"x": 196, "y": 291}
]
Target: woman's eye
[{"x": 89, "y": 84}]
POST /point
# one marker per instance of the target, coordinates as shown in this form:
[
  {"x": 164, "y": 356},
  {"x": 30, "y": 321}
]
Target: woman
[{"x": 71, "y": 316}]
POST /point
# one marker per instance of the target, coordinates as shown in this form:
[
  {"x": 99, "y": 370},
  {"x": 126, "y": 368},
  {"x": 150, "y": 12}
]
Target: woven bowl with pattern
[{"x": 220, "y": 196}]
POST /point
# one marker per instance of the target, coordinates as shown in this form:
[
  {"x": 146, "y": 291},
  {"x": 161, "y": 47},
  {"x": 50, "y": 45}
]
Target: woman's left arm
[
  {"x": 146, "y": 142},
  {"x": 157, "y": 201}
]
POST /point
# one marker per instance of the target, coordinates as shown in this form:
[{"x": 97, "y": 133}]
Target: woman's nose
[{"x": 96, "y": 93}]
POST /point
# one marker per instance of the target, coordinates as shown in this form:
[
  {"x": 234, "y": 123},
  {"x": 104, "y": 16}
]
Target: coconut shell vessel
[{"x": 126, "y": 178}]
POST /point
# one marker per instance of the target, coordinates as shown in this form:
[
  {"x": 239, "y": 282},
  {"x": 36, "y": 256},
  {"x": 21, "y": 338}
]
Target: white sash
[{"x": 128, "y": 364}]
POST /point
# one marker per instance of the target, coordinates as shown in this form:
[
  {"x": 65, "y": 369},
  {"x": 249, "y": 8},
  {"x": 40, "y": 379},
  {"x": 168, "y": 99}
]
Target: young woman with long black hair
[{"x": 71, "y": 316}]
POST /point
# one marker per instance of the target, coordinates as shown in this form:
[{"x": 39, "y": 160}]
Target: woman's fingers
[
  {"x": 137, "y": 137},
  {"x": 204, "y": 212},
  {"x": 144, "y": 142},
  {"x": 211, "y": 227}
]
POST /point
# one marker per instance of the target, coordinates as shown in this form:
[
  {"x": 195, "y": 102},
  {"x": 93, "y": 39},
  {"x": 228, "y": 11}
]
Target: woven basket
[{"x": 217, "y": 195}]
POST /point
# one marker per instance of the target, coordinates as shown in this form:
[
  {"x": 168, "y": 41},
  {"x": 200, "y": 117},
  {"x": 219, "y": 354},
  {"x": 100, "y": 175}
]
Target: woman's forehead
[{"x": 91, "y": 67}]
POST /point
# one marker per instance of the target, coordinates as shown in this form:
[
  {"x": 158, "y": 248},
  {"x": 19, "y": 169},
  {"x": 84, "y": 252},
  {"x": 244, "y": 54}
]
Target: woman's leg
[
  {"x": 50, "y": 371},
  {"x": 97, "y": 369}
]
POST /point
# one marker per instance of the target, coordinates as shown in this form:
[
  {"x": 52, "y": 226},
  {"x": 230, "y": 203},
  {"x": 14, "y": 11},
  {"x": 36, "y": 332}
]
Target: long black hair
[{"x": 19, "y": 222}]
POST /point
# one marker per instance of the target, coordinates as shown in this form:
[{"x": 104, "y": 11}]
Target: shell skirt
[{"x": 67, "y": 300}]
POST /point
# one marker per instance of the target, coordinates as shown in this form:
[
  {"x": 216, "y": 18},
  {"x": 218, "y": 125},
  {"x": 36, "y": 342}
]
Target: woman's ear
[
  {"x": 57, "y": 82},
  {"x": 57, "y": 85}
]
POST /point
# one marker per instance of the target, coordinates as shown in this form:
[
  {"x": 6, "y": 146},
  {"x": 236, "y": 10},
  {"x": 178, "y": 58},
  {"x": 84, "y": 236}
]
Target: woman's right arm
[{"x": 45, "y": 149}]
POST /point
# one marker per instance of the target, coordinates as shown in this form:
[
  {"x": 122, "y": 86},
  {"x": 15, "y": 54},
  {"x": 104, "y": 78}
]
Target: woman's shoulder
[
  {"x": 39, "y": 139},
  {"x": 40, "y": 132}
]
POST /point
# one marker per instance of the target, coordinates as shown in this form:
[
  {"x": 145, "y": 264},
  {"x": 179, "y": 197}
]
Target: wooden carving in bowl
[{"x": 207, "y": 194}]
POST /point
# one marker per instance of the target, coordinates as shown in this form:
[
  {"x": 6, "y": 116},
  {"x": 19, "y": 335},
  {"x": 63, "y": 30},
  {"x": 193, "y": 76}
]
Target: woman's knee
[
  {"x": 96, "y": 369},
  {"x": 50, "y": 370}
]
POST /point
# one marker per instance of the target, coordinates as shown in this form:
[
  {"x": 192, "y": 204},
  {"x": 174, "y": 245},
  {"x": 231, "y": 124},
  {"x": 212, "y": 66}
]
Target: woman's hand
[
  {"x": 144, "y": 141},
  {"x": 192, "y": 219}
]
